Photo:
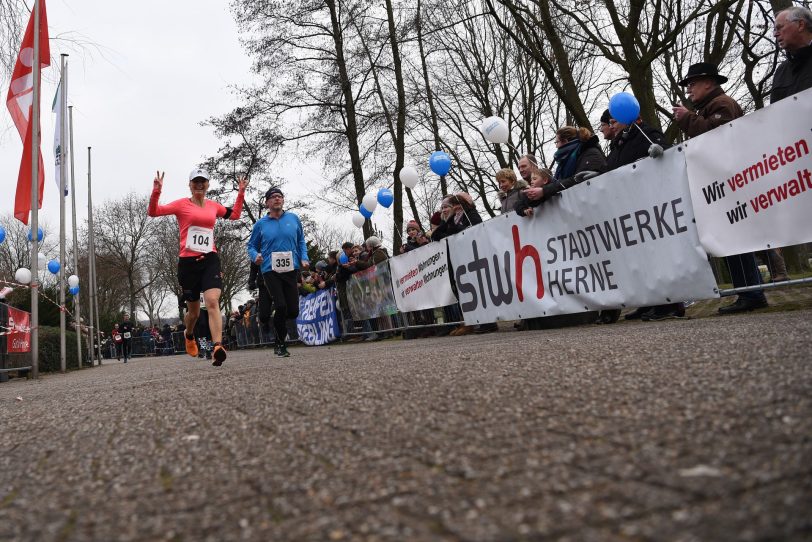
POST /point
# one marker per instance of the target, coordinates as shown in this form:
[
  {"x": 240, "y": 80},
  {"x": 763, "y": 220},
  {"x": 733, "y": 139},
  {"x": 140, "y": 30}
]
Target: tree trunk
[
  {"x": 641, "y": 81},
  {"x": 400, "y": 131},
  {"x": 779, "y": 5},
  {"x": 349, "y": 110},
  {"x": 435, "y": 130}
]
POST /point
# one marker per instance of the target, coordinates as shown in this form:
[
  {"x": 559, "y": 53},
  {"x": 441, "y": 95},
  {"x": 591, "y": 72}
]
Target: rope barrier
[{"x": 62, "y": 308}]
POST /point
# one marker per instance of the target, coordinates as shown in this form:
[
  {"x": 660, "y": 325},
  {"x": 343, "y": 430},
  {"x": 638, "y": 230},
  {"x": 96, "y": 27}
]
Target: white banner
[
  {"x": 420, "y": 278},
  {"x": 624, "y": 239},
  {"x": 751, "y": 180}
]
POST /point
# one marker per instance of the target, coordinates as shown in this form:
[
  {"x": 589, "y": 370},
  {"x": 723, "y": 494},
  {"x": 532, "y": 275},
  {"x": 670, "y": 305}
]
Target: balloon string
[
  {"x": 644, "y": 133},
  {"x": 61, "y": 308}
]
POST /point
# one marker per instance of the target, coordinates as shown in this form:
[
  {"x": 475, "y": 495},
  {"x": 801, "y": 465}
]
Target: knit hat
[
  {"x": 412, "y": 224},
  {"x": 273, "y": 190},
  {"x": 606, "y": 117},
  {"x": 373, "y": 241},
  {"x": 321, "y": 264}
]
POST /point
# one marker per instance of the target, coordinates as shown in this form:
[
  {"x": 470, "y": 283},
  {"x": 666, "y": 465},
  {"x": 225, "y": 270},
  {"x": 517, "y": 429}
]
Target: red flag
[{"x": 20, "y": 101}]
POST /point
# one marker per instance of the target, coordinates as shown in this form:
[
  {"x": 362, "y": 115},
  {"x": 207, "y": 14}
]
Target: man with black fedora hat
[{"x": 712, "y": 107}]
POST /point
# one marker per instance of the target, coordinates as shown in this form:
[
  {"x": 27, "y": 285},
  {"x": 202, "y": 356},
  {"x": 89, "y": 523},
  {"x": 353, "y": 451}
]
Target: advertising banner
[
  {"x": 369, "y": 293},
  {"x": 623, "y": 239},
  {"x": 420, "y": 278},
  {"x": 751, "y": 179},
  {"x": 317, "y": 322},
  {"x": 19, "y": 332}
]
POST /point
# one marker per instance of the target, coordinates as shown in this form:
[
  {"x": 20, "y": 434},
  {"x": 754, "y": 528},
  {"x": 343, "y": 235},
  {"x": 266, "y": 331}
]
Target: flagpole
[
  {"x": 94, "y": 306},
  {"x": 90, "y": 333},
  {"x": 63, "y": 98},
  {"x": 77, "y": 312},
  {"x": 96, "y": 302},
  {"x": 35, "y": 200}
]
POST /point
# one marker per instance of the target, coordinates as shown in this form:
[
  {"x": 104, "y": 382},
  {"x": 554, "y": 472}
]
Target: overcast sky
[{"x": 146, "y": 77}]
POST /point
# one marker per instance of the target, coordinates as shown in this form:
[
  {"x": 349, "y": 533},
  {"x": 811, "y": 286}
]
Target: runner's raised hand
[
  {"x": 158, "y": 181},
  {"x": 242, "y": 182}
]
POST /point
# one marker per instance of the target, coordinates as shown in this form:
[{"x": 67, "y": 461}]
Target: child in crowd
[
  {"x": 415, "y": 238},
  {"x": 538, "y": 178}
]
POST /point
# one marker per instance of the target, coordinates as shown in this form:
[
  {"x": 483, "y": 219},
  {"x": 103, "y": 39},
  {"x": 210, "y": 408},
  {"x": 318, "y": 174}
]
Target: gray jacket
[{"x": 511, "y": 198}]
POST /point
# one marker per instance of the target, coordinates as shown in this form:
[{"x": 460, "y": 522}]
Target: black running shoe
[
  {"x": 282, "y": 351},
  {"x": 219, "y": 355}
]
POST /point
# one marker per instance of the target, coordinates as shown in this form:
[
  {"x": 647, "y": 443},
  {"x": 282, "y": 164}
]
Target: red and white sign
[
  {"x": 19, "y": 334},
  {"x": 751, "y": 179},
  {"x": 420, "y": 278}
]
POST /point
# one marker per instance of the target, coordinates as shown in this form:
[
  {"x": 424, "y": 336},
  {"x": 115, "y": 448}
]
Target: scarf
[{"x": 566, "y": 158}]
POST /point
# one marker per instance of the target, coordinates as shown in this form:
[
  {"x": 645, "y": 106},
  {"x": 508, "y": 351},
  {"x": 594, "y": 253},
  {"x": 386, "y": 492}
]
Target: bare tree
[
  {"x": 15, "y": 251},
  {"x": 125, "y": 233},
  {"x": 13, "y": 14}
]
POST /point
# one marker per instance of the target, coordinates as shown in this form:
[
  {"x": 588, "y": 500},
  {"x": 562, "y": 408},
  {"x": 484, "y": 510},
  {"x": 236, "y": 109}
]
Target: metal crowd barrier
[
  {"x": 777, "y": 268},
  {"x": 141, "y": 346},
  {"x": 249, "y": 334},
  {"x": 424, "y": 323},
  {"x": 791, "y": 266}
]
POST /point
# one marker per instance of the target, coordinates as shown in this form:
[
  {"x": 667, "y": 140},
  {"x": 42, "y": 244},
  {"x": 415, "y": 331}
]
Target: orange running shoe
[
  {"x": 219, "y": 355},
  {"x": 191, "y": 346}
]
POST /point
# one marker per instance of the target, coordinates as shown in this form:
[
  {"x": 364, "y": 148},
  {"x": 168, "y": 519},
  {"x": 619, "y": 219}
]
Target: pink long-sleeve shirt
[{"x": 199, "y": 219}]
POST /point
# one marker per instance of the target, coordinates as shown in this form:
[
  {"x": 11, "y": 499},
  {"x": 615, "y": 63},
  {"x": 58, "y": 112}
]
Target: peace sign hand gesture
[
  {"x": 158, "y": 181},
  {"x": 242, "y": 182}
]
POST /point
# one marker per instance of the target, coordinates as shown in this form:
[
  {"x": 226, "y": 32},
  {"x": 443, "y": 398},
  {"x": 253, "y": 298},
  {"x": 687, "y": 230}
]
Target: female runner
[{"x": 199, "y": 265}]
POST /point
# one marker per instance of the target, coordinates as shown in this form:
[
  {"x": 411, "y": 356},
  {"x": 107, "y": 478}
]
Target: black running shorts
[{"x": 199, "y": 273}]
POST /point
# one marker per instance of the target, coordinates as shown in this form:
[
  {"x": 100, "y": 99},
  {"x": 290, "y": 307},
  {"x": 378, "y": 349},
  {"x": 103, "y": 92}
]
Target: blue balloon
[
  {"x": 39, "y": 234},
  {"x": 342, "y": 258},
  {"x": 2, "y": 234},
  {"x": 74, "y": 290},
  {"x": 624, "y": 108},
  {"x": 440, "y": 162},
  {"x": 364, "y": 211},
  {"x": 385, "y": 197},
  {"x": 53, "y": 266}
]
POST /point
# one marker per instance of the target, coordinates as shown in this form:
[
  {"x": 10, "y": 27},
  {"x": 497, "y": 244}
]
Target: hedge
[{"x": 49, "y": 349}]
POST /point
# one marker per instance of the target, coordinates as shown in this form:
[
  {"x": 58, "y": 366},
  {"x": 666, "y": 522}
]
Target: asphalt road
[{"x": 677, "y": 430}]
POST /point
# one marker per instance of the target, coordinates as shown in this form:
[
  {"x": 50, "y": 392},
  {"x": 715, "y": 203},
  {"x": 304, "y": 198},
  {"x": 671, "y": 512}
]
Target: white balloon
[
  {"x": 23, "y": 275},
  {"x": 358, "y": 220},
  {"x": 370, "y": 201},
  {"x": 73, "y": 280},
  {"x": 495, "y": 130},
  {"x": 409, "y": 177}
]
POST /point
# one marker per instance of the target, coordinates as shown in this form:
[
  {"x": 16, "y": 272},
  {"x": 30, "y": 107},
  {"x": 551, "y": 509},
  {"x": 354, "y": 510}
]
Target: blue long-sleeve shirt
[{"x": 277, "y": 235}]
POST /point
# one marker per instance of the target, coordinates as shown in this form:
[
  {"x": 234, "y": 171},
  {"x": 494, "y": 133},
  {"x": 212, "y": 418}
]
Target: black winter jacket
[
  {"x": 631, "y": 145},
  {"x": 793, "y": 75},
  {"x": 449, "y": 227}
]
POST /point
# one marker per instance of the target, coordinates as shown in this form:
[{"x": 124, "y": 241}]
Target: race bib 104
[
  {"x": 282, "y": 261},
  {"x": 200, "y": 239}
]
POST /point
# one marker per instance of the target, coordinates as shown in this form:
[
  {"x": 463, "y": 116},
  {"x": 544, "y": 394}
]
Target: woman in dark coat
[
  {"x": 578, "y": 151},
  {"x": 457, "y": 212}
]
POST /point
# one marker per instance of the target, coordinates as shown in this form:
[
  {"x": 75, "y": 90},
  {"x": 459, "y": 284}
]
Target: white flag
[{"x": 60, "y": 150}]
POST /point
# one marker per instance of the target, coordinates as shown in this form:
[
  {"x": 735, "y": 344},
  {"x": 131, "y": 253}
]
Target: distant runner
[
  {"x": 199, "y": 265},
  {"x": 277, "y": 245},
  {"x": 126, "y": 330}
]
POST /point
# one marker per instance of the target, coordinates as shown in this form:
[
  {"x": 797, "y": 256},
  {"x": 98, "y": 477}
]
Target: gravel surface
[{"x": 679, "y": 430}]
